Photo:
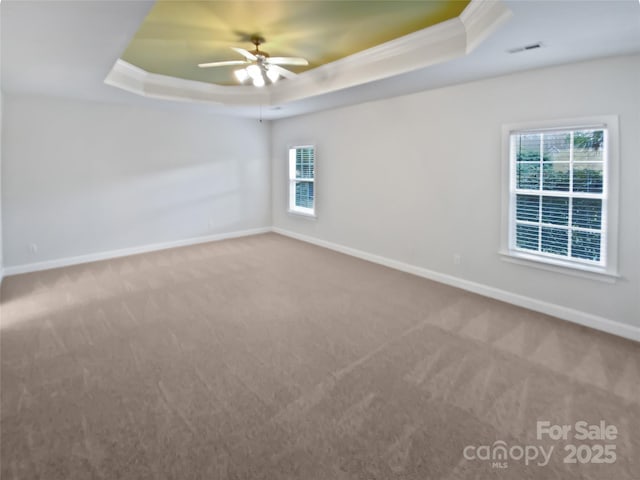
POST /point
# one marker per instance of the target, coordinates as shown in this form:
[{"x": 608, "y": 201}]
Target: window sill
[
  {"x": 559, "y": 266},
  {"x": 298, "y": 213}
]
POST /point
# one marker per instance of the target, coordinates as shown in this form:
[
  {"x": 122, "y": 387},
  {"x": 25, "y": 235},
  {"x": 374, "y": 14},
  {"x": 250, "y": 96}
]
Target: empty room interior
[{"x": 320, "y": 239}]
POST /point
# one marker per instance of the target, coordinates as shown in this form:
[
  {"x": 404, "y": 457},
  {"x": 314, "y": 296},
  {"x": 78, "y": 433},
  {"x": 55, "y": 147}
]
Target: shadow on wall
[
  {"x": 89, "y": 177},
  {"x": 110, "y": 212}
]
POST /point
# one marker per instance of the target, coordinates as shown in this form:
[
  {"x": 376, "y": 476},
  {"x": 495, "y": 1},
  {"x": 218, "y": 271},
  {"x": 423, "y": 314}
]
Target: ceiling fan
[{"x": 260, "y": 66}]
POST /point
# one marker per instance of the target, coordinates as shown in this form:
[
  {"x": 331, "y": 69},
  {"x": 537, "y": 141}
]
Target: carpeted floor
[{"x": 268, "y": 358}]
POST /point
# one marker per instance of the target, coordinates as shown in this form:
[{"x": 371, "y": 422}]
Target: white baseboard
[
  {"x": 124, "y": 252},
  {"x": 565, "y": 313}
]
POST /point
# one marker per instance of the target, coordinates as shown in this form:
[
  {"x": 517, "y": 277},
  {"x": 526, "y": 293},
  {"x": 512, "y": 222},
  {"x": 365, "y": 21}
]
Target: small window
[
  {"x": 559, "y": 190},
  {"x": 302, "y": 196}
]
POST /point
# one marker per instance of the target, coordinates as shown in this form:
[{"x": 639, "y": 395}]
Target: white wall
[
  {"x": 1, "y": 243},
  {"x": 417, "y": 178},
  {"x": 81, "y": 178}
]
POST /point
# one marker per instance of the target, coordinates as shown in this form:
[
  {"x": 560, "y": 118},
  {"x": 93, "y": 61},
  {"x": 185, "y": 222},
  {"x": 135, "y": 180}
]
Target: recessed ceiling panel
[{"x": 177, "y": 35}]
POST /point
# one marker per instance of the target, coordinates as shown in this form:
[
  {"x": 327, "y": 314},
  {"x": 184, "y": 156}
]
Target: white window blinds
[
  {"x": 558, "y": 193},
  {"x": 302, "y": 180}
]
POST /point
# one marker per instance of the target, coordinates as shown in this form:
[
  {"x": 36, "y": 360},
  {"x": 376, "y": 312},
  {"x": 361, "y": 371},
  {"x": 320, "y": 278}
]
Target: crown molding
[
  {"x": 436, "y": 44},
  {"x": 133, "y": 79},
  {"x": 481, "y": 19}
]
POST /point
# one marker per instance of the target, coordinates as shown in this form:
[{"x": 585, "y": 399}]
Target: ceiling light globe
[
  {"x": 241, "y": 75},
  {"x": 258, "y": 82},
  {"x": 254, "y": 71},
  {"x": 273, "y": 75}
]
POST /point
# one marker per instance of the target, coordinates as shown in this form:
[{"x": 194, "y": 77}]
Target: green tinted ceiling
[{"x": 176, "y": 35}]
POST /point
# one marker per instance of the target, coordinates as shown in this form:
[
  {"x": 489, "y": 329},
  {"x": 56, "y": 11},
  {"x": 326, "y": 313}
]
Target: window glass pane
[
  {"x": 554, "y": 240},
  {"x": 304, "y": 194},
  {"x": 305, "y": 170},
  {"x": 556, "y": 177},
  {"x": 587, "y": 213},
  {"x": 528, "y": 176},
  {"x": 587, "y": 177},
  {"x": 527, "y": 236},
  {"x": 585, "y": 245},
  {"x": 587, "y": 145},
  {"x": 555, "y": 210},
  {"x": 528, "y": 148},
  {"x": 527, "y": 207},
  {"x": 552, "y": 165},
  {"x": 557, "y": 147},
  {"x": 304, "y": 163}
]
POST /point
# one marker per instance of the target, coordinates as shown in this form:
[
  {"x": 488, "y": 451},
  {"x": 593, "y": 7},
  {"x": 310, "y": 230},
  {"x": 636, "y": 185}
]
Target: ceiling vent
[{"x": 532, "y": 46}]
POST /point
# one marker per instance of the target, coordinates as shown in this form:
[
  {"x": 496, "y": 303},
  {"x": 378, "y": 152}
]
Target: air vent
[{"x": 532, "y": 46}]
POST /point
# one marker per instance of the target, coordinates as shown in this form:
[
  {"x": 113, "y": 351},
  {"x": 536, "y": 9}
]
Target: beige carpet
[{"x": 267, "y": 358}]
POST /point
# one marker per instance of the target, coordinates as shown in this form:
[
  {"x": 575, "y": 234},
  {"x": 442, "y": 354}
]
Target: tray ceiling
[
  {"x": 177, "y": 35},
  {"x": 438, "y": 43}
]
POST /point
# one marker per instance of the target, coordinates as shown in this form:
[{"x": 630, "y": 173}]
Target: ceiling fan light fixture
[
  {"x": 273, "y": 75},
  {"x": 254, "y": 72},
  {"x": 242, "y": 75},
  {"x": 262, "y": 69}
]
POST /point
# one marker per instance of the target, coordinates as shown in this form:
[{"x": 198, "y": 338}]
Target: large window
[
  {"x": 559, "y": 196},
  {"x": 302, "y": 180}
]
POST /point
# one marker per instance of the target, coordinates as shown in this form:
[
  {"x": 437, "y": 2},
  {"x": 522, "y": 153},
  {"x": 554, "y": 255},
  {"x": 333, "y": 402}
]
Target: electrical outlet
[
  {"x": 33, "y": 248},
  {"x": 457, "y": 259}
]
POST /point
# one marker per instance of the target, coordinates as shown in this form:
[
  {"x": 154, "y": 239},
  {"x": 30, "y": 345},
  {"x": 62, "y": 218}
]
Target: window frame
[
  {"x": 292, "y": 179},
  {"x": 607, "y": 270}
]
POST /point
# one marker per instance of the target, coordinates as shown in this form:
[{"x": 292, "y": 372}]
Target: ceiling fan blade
[
  {"x": 222, "y": 64},
  {"x": 245, "y": 53},
  {"x": 283, "y": 71},
  {"x": 287, "y": 61}
]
